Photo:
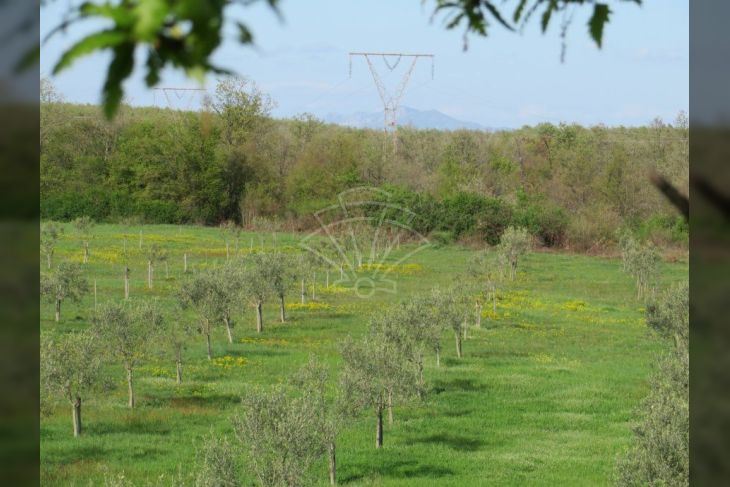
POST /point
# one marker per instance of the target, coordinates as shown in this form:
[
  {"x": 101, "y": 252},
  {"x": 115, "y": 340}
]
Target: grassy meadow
[{"x": 544, "y": 395}]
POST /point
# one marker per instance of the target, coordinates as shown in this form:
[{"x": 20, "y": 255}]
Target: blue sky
[{"x": 503, "y": 80}]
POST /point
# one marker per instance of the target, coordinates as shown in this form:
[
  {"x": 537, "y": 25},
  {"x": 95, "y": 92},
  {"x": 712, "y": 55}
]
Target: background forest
[{"x": 571, "y": 186}]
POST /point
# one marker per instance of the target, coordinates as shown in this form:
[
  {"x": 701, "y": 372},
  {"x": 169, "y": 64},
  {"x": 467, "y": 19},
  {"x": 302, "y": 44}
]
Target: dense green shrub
[
  {"x": 660, "y": 453},
  {"x": 545, "y": 221}
]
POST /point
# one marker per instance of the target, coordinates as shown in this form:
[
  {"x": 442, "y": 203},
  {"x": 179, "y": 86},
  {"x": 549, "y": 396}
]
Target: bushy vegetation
[
  {"x": 568, "y": 185},
  {"x": 660, "y": 452}
]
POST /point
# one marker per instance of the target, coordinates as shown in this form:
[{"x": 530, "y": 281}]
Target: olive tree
[
  {"x": 84, "y": 226},
  {"x": 313, "y": 383},
  {"x": 278, "y": 432},
  {"x": 483, "y": 269},
  {"x": 514, "y": 243},
  {"x": 203, "y": 294},
  {"x": 177, "y": 332},
  {"x": 450, "y": 308},
  {"x": 258, "y": 283},
  {"x": 230, "y": 280},
  {"x": 283, "y": 275},
  {"x": 641, "y": 262},
  {"x": 229, "y": 232},
  {"x": 127, "y": 331},
  {"x": 407, "y": 327},
  {"x": 70, "y": 367},
  {"x": 373, "y": 367},
  {"x": 154, "y": 254},
  {"x": 217, "y": 463},
  {"x": 50, "y": 234},
  {"x": 67, "y": 282}
]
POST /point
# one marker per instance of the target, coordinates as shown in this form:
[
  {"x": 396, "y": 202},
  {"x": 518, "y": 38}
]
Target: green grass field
[{"x": 544, "y": 395}]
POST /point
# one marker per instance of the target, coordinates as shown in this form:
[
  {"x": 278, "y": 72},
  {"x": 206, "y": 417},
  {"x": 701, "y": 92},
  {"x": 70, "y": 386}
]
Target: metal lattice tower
[
  {"x": 178, "y": 99},
  {"x": 391, "y": 100}
]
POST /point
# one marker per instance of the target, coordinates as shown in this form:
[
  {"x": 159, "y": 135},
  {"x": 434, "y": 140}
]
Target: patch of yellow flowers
[
  {"x": 311, "y": 306},
  {"x": 395, "y": 268},
  {"x": 228, "y": 362}
]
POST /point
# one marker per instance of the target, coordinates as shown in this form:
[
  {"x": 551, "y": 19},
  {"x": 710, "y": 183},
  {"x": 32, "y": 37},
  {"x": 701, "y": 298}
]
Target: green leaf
[
  {"x": 244, "y": 34},
  {"x": 548, "y": 14},
  {"x": 597, "y": 21},
  {"x": 150, "y": 15},
  {"x": 119, "y": 69},
  {"x": 518, "y": 10},
  {"x": 30, "y": 58},
  {"x": 94, "y": 42},
  {"x": 497, "y": 15}
]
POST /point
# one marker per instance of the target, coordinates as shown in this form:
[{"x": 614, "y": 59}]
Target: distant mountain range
[{"x": 419, "y": 119}]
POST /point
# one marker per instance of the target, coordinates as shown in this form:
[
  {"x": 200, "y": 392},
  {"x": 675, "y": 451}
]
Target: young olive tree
[
  {"x": 483, "y": 269},
  {"x": 642, "y": 262},
  {"x": 228, "y": 233},
  {"x": 67, "y": 282},
  {"x": 514, "y": 243},
  {"x": 258, "y": 283},
  {"x": 50, "y": 234},
  {"x": 450, "y": 308},
  {"x": 154, "y": 254},
  {"x": 84, "y": 226},
  {"x": 203, "y": 294},
  {"x": 218, "y": 463},
  {"x": 312, "y": 381},
  {"x": 278, "y": 431},
  {"x": 230, "y": 280},
  {"x": 70, "y": 367},
  {"x": 406, "y": 327},
  {"x": 127, "y": 331},
  {"x": 373, "y": 367},
  {"x": 177, "y": 333},
  {"x": 283, "y": 276}
]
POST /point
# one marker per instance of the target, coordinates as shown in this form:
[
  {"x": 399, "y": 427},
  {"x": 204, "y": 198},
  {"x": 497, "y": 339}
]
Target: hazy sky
[{"x": 504, "y": 80}]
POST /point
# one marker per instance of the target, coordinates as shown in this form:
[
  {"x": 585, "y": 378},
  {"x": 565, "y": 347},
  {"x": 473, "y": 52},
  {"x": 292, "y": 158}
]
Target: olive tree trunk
[
  {"x": 282, "y": 309},
  {"x": 126, "y": 282},
  {"x": 48, "y": 259},
  {"x": 479, "y": 315},
  {"x": 178, "y": 366},
  {"x": 76, "y": 415},
  {"x": 303, "y": 293},
  {"x": 259, "y": 317},
  {"x": 149, "y": 274},
  {"x": 130, "y": 386},
  {"x": 227, "y": 321},
  {"x": 185, "y": 263},
  {"x": 333, "y": 463},
  {"x": 86, "y": 252},
  {"x": 207, "y": 339},
  {"x": 438, "y": 357},
  {"x": 458, "y": 343},
  {"x": 379, "y": 427},
  {"x": 58, "y": 310},
  {"x": 390, "y": 408}
]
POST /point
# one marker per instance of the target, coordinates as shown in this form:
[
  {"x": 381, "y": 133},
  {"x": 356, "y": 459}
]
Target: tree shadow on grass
[
  {"x": 455, "y": 442},
  {"x": 131, "y": 426},
  {"x": 396, "y": 469},
  {"x": 457, "y": 385}
]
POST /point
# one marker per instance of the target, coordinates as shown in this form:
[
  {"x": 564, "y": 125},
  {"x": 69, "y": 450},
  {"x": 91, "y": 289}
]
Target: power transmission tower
[
  {"x": 391, "y": 100},
  {"x": 182, "y": 101}
]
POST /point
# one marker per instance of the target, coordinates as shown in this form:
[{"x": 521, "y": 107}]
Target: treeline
[{"x": 570, "y": 185}]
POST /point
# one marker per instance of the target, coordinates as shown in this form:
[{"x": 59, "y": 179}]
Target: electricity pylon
[{"x": 391, "y": 100}]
